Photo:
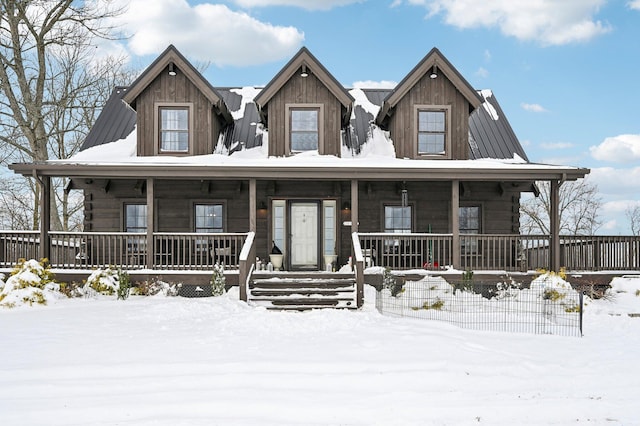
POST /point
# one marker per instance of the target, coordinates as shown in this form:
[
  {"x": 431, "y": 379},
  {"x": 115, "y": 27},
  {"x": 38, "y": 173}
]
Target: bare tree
[
  {"x": 579, "y": 209},
  {"x": 633, "y": 214},
  {"x": 50, "y": 86}
]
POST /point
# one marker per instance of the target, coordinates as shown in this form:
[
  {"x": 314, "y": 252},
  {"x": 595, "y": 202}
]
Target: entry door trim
[{"x": 317, "y": 231}]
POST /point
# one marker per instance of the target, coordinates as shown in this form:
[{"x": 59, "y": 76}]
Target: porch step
[{"x": 303, "y": 291}]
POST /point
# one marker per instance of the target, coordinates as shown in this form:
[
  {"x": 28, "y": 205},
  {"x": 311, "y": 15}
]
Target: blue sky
[{"x": 566, "y": 72}]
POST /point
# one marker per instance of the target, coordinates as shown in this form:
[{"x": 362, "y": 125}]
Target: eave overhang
[
  {"x": 524, "y": 172},
  {"x": 172, "y": 55},
  {"x": 304, "y": 57},
  {"x": 434, "y": 57}
]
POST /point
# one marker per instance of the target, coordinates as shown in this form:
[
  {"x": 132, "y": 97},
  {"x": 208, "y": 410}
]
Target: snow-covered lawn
[{"x": 217, "y": 361}]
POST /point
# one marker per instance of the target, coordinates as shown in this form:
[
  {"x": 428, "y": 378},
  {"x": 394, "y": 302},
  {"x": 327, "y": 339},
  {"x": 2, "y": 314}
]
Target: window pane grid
[
  {"x": 397, "y": 219},
  {"x": 208, "y": 218},
  {"x": 136, "y": 218},
  {"x": 431, "y": 132},
  {"x": 174, "y": 130},
  {"x": 304, "y": 129}
]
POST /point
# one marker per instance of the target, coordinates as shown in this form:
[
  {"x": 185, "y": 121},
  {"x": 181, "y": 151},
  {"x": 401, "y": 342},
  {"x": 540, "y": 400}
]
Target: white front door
[{"x": 304, "y": 235}]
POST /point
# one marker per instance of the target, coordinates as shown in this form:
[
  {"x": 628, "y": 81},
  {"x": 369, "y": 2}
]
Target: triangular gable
[
  {"x": 434, "y": 57},
  {"x": 304, "y": 57},
  {"x": 161, "y": 64}
]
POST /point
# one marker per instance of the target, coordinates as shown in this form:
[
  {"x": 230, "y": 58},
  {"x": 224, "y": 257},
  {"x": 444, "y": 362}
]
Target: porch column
[
  {"x": 252, "y": 206},
  {"x": 359, "y": 267},
  {"x": 44, "y": 250},
  {"x": 554, "y": 226},
  {"x": 354, "y": 206},
  {"x": 150, "y": 224},
  {"x": 455, "y": 224}
]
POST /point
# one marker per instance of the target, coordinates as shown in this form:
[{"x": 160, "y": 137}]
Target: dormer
[
  {"x": 178, "y": 112},
  {"x": 305, "y": 108},
  {"x": 427, "y": 114}
]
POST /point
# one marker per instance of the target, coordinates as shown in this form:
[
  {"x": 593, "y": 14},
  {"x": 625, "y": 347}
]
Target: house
[{"x": 190, "y": 170}]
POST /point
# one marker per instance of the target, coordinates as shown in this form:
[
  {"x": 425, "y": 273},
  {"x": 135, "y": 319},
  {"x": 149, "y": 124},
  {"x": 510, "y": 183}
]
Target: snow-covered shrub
[
  {"x": 507, "y": 290},
  {"x": 153, "y": 287},
  {"x": 428, "y": 293},
  {"x": 390, "y": 282},
  {"x": 553, "y": 288},
  {"x": 108, "y": 281},
  {"x": 217, "y": 280},
  {"x": 71, "y": 290},
  {"x": 30, "y": 282},
  {"x": 124, "y": 284}
]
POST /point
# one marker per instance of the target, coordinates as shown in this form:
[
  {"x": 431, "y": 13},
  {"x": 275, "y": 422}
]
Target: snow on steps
[{"x": 302, "y": 291}]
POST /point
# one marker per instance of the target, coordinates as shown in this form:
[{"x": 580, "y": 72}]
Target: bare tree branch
[
  {"x": 51, "y": 86},
  {"x": 633, "y": 214},
  {"x": 579, "y": 209}
]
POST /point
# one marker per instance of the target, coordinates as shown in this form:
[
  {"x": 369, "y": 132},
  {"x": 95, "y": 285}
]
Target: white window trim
[
  {"x": 156, "y": 127},
  {"x": 447, "y": 131},
  {"x": 287, "y": 125}
]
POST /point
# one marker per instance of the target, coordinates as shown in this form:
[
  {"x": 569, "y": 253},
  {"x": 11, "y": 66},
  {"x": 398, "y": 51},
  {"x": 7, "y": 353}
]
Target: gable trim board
[
  {"x": 304, "y": 57},
  {"x": 171, "y": 55}
]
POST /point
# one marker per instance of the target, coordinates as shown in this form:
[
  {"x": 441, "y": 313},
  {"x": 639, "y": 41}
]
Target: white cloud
[
  {"x": 370, "y": 84},
  {"x": 487, "y": 55},
  {"x": 482, "y": 72},
  {"x": 304, "y": 4},
  {"x": 620, "y": 149},
  {"x": 549, "y": 22},
  {"x": 619, "y": 206},
  {"x": 556, "y": 145},
  {"x": 533, "y": 107},
  {"x": 635, "y": 4},
  {"x": 609, "y": 225},
  {"x": 621, "y": 183},
  {"x": 241, "y": 39}
]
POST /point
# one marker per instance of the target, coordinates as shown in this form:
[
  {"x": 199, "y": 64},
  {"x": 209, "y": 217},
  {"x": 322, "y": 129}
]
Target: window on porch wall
[
  {"x": 397, "y": 220},
  {"x": 209, "y": 218},
  {"x": 135, "y": 220},
  {"x": 469, "y": 217}
]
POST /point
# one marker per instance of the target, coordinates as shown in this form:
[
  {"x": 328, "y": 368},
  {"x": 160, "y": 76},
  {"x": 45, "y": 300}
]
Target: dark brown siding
[
  {"x": 178, "y": 89},
  {"x": 307, "y": 90},
  {"x": 427, "y": 91},
  {"x": 431, "y": 203}
]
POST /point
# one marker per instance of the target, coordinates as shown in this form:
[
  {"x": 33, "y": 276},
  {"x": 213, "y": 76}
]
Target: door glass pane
[
  {"x": 279, "y": 224},
  {"x": 329, "y": 228}
]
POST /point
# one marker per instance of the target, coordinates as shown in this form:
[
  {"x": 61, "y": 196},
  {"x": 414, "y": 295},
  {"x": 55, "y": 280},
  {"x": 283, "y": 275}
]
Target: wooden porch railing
[
  {"x": 195, "y": 251},
  {"x": 500, "y": 252},
  {"x": 80, "y": 250}
]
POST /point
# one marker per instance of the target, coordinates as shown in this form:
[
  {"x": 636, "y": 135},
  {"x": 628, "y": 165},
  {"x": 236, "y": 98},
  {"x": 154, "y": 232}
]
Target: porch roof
[{"x": 305, "y": 168}]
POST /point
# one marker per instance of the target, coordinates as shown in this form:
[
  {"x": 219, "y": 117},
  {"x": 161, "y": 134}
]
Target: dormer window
[
  {"x": 174, "y": 124},
  {"x": 304, "y": 127},
  {"x": 432, "y": 131}
]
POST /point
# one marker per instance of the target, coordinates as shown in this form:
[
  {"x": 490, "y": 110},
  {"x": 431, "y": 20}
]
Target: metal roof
[
  {"x": 116, "y": 121},
  {"x": 488, "y": 137}
]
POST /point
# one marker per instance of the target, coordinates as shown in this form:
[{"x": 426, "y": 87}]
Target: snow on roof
[
  {"x": 486, "y": 93},
  {"x": 376, "y": 149},
  {"x": 247, "y": 93}
]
